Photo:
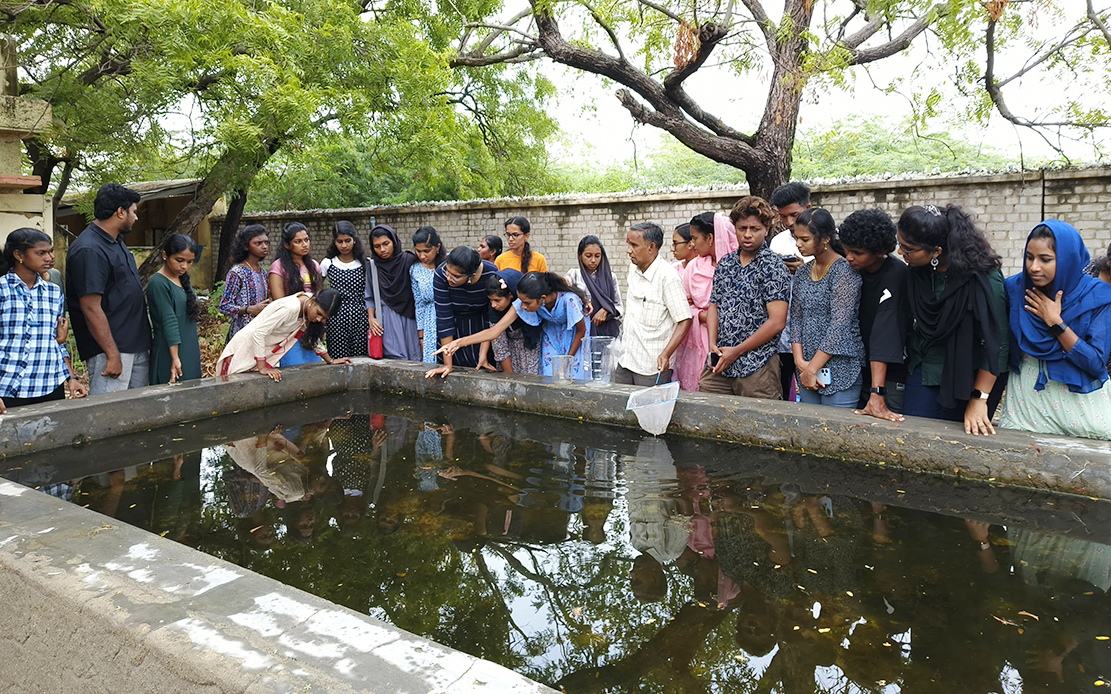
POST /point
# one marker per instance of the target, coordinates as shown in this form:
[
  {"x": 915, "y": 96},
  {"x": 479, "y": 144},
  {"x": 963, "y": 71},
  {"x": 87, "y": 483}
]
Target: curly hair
[
  {"x": 953, "y": 231},
  {"x": 752, "y": 206},
  {"x": 869, "y": 230},
  {"x": 240, "y": 247}
]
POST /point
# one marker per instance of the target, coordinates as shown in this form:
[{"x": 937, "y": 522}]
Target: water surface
[{"x": 596, "y": 559}]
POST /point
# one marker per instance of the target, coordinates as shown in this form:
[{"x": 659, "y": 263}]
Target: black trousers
[{"x": 58, "y": 394}]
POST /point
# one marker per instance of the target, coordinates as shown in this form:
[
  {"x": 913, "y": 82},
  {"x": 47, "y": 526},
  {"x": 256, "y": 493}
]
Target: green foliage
[{"x": 147, "y": 89}]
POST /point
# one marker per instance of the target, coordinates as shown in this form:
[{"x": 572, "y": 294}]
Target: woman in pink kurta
[{"x": 713, "y": 237}]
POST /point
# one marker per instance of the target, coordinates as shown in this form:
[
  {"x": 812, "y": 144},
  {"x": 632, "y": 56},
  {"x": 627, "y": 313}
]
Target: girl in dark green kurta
[{"x": 175, "y": 354}]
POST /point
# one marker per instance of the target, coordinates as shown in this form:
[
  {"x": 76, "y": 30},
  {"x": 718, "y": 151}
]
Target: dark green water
[{"x": 600, "y": 560}]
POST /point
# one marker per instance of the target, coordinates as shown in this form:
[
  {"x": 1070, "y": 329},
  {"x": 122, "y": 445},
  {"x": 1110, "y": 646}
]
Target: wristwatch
[
  {"x": 1058, "y": 330},
  {"x": 979, "y": 395},
  {"x": 878, "y": 391}
]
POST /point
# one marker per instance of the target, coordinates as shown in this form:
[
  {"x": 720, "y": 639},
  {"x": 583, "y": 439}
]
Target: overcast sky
[{"x": 600, "y": 129}]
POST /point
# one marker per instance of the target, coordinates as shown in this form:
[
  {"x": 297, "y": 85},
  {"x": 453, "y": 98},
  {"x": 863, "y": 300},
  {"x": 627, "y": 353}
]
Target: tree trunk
[
  {"x": 232, "y": 166},
  {"x": 228, "y": 231}
]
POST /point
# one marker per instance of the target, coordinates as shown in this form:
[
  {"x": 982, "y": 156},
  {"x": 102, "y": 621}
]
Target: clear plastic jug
[{"x": 601, "y": 360}]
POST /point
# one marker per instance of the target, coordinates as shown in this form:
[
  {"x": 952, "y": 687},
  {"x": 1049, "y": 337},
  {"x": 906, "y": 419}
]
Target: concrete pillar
[{"x": 19, "y": 119}]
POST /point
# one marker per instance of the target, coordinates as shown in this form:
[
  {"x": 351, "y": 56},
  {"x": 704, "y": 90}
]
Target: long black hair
[
  {"x": 820, "y": 223},
  {"x": 952, "y": 230},
  {"x": 240, "y": 247},
  {"x": 179, "y": 243},
  {"x": 536, "y": 284},
  {"x": 329, "y": 300},
  {"x": 430, "y": 236},
  {"x": 465, "y": 258},
  {"x": 493, "y": 242},
  {"x": 345, "y": 228},
  {"x": 21, "y": 240},
  {"x": 684, "y": 230},
  {"x": 284, "y": 256},
  {"x": 526, "y": 229}
]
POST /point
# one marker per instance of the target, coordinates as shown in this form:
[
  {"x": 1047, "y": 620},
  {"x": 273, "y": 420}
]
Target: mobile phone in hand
[
  {"x": 791, "y": 259},
  {"x": 713, "y": 360},
  {"x": 824, "y": 376}
]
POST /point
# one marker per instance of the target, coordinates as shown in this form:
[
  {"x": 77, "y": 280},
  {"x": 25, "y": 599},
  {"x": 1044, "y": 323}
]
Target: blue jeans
[
  {"x": 921, "y": 401},
  {"x": 843, "y": 398}
]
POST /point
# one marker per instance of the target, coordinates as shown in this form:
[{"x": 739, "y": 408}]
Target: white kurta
[{"x": 269, "y": 336}]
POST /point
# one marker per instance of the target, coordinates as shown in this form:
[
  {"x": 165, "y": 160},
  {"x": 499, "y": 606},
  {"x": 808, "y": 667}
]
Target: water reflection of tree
[{"x": 488, "y": 563}]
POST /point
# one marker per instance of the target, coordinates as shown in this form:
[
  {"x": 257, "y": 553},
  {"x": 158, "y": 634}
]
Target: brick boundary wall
[{"x": 1007, "y": 206}]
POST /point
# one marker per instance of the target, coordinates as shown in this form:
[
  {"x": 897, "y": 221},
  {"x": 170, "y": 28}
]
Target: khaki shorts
[{"x": 762, "y": 384}]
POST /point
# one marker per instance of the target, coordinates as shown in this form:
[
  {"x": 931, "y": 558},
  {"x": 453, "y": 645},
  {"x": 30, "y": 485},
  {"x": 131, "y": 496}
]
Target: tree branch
[
  {"x": 709, "y": 35},
  {"x": 662, "y": 10},
  {"x": 900, "y": 42},
  {"x": 1069, "y": 39},
  {"x": 606, "y": 28},
  {"x": 1098, "y": 21},
  {"x": 762, "y": 21}
]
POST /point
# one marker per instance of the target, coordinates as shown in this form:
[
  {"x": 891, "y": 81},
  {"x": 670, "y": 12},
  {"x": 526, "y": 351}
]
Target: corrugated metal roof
[{"x": 148, "y": 190}]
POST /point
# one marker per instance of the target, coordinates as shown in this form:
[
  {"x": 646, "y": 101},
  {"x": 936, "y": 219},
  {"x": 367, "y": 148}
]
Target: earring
[{"x": 933, "y": 262}]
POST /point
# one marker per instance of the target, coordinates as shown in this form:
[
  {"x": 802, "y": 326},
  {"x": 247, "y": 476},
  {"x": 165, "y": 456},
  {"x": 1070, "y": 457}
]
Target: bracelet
[
  {"x": 985, "y": 545},
  {"x": 71, "y": 377}
]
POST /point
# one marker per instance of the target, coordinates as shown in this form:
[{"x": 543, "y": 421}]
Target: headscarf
[
  {"x": 698, "y": 275},
  {"x": 1083, "y": 297},
  {"x": 509, "y": 279},
  {"x": 393, "y": 276},
  {"x": 603, "y": 292},
  {"x": 951, "y": 319}
]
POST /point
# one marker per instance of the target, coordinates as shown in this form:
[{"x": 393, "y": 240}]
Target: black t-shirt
[
  {"x": 884, "y": 316},
  {"x": 98, "y": 264}
]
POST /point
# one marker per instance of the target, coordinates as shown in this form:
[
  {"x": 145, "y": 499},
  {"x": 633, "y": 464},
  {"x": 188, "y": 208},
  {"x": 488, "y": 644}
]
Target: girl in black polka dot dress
[{"x": 345, "y": 267}]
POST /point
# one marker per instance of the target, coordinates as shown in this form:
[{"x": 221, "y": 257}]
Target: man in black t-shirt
[
  {"x": 869, "y": 239},
  {"x": 105, "y": 295}
]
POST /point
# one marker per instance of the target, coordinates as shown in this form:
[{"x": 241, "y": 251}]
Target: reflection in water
[{"x": 628, "y": 565}]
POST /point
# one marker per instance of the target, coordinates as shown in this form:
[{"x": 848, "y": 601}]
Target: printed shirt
[
  {"x": 656, "y": 303},
  {"x": 742, "y": 294},
  {"x": 824, "y": 317},
  {"x": 244, "y": 288},
  {"x": 31, "y": 360}
]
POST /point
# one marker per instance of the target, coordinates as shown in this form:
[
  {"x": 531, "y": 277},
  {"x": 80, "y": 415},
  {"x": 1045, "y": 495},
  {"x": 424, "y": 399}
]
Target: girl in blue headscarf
[{"x": 1060, "y": 339}]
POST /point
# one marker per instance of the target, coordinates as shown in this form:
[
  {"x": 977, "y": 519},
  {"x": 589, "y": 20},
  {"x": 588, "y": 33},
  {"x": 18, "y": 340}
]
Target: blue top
[
  {"x": 466, "y": 301},
  {"x": 31, "y": 360},
  {"x": 1084, "y": 308}
]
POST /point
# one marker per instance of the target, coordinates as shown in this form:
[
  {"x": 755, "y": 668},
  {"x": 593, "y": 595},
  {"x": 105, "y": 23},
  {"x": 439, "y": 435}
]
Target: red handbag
[{"x": 374, "y": 342}]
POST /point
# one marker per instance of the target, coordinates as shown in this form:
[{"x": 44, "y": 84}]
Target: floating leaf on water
[
  {"x": 401, "y": 575},
  {"x": 650, "y": 620},
  {"x": 812, "y": 571},
  {"x": 578, "y": 612},
  {"x": 1004, "y": 621},
  {"x": 824, "y": 630},
  {"x": 740, "y": 658},
  {"x": 797, "y": 627},
  {"x": 849, "y": 593},
  {"x": 1027, "y": 614},
  {"x": 1103, "y": 638},
  {"x": 1099, "y": 683},
  {"x": 702, "y": 604}
]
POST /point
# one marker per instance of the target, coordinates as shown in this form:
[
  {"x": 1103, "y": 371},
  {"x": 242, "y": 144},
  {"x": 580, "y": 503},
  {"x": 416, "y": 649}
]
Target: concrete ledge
[
  {"x": 79, "y": 422},
  {"x": 1058, "y": 463},
  {"x": 96, "y": 606},
  {"x": 1039, "y": 461}
]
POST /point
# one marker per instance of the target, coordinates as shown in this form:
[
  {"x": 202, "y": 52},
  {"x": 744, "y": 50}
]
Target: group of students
[
  {"x": 821, "y": 312},
  {"x": 938, "y": 333}
]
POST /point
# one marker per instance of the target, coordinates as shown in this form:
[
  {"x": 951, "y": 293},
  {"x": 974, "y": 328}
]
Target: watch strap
[
  {"x": 979, "y": 395},
  {"x": 878, "y": 390},
  {"x": 1058, "y": 330}
]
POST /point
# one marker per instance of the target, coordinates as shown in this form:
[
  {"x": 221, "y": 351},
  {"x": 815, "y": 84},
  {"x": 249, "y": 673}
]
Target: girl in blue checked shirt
[{"x": 34, "y": 364}]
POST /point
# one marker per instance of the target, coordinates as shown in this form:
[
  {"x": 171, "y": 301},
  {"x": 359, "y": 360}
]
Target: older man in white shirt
[{"x": 657, "y": 316}]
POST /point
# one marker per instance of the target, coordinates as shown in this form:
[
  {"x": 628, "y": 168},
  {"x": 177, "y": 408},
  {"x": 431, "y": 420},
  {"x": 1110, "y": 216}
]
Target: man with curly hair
[
  {"x": 869, "y": 240},
  {"x": 748, "y": 309}
]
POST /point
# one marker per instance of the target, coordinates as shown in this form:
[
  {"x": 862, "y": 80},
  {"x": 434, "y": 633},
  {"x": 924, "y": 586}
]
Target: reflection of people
[
  {"x": 657, "y": 528},
  {"x": 275, "y": 461},
  {"x": 430, "y": 450}
]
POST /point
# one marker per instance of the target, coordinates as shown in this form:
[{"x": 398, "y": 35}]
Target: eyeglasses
[
  {"x": 513, "y": 236},
  {"x": 678, "y": 243},
  {"x": 909, "y": 251},
  {"x": 454, "y": 278}
]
